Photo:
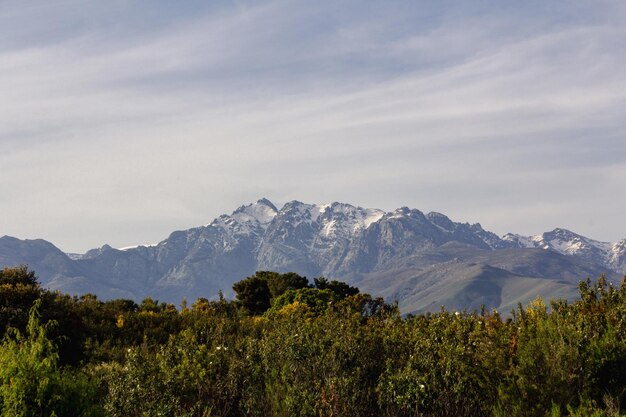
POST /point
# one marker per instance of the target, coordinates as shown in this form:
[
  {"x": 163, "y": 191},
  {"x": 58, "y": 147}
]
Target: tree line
[{"x": 288, "y": 347}]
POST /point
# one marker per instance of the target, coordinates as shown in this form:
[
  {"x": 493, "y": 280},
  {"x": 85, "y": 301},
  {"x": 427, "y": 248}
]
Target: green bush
[
  {"x": 31, "y": 382},
  {"x": 319, "y": 351}
]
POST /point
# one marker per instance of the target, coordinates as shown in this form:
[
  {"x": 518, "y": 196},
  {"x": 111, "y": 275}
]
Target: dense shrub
[
  {"x": 31, "y": 382},
  {"x": 322, "y": 350}
]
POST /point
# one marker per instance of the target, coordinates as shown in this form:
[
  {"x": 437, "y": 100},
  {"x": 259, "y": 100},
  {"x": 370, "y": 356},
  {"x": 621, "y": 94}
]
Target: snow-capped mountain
[
  {"x": 313, "y": 238},
  {"x": 251, "y": 219},
  {"x": 404, "y": 254},
  {"x": 611, "y": 255}
]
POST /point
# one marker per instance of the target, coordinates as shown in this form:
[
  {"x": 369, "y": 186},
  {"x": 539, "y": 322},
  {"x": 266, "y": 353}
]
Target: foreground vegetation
[{"x": 287, "y": 348}]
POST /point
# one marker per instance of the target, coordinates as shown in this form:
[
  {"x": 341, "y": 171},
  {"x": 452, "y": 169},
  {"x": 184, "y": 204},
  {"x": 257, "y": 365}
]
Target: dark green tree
[
  {"x": 256, "y": 292},
  {"x": 18, "y": 291},
  {"x": 253, "y": 294},
  {"x": 279, "y": 283},
  {"x": 19, "y": 275},
  {"x": 341, "y": 289}
]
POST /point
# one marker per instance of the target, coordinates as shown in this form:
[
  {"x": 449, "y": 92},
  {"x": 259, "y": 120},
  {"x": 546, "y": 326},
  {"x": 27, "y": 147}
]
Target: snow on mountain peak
[
  {"x": 618, "y": 248},
  {"x": 262, "y": 212},
  {"x": 567, "y": 242},
  {"x": 247, "y": 218},
  {"x": 345, "y": 219},
  {"x": 617, "y": 256},
  {"x": 570, "y": 243},
  {"x": 322, "y": 226},
  {"x": 298, "y": 212},
  {"x": 265, "y": 202},
  {"x": 399, "y": 213},
  {"x": 519, "y": 240},
  {"x": 331, "y": 219},
  {"x": 371, "y": 216}
]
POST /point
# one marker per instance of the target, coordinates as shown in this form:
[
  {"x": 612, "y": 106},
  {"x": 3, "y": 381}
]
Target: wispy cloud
[{"x": 128, "y": 121}]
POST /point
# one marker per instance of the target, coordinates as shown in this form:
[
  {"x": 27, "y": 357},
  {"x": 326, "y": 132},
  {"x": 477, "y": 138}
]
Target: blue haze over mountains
[{"x": 423, "y": 261}]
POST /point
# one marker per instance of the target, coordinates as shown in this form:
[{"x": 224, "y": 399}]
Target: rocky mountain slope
[
  {"x": 611, "y": 255},
  {"x": 421, "y": 260}
]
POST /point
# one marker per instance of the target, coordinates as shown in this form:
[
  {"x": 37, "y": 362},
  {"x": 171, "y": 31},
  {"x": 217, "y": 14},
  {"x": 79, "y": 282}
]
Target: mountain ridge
[{"x": 340, "y": 241}]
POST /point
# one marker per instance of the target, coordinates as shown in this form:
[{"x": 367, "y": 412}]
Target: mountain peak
[
  {"x": 294, "y": 204},
  {"x": 298, "y": 212},
  {"x": 265, "y": 202},
  {"x": 261, "y": 211},
  {"x": 518, "y": 241},
  {"x": 560, "y": 232},
  {"x": 441, "y": 220},
  {"x": 93, "y": 253},
  {"x": 399, "y": 212}
]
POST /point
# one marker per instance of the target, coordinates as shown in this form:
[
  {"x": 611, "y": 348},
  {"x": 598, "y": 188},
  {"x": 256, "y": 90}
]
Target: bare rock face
[{"x": 418, "y": 259}]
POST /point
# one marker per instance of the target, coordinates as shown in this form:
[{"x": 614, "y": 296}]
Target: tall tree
[{"x": 253, "y": 294}]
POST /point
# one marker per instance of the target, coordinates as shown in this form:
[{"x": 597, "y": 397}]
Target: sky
[{"x": 122, "y": 121}]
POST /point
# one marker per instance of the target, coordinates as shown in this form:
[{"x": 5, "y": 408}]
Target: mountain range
[{"x": 422, "y": 261}]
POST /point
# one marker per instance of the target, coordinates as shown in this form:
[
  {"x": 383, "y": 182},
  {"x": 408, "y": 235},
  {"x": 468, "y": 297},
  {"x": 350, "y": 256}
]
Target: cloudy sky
[{"x": 121, "y": 121}]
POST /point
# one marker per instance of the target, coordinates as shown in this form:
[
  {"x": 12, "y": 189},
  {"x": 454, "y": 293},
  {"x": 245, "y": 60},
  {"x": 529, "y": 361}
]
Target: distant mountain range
[{"x": 423, "y": 261}]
